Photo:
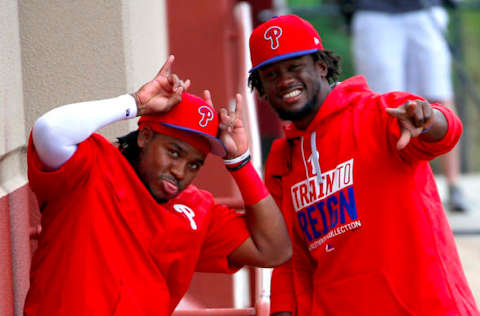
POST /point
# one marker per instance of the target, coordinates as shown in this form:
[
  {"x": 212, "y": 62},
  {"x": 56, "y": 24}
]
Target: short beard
[
  {"x": 306, "y": 110},
  {"x": 137, "y": 171},
  {"x": 157, "y": 199}
]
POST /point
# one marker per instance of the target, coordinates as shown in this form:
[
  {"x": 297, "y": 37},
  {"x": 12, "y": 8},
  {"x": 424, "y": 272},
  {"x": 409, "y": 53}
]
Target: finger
[
  {"x": 232, "y": 107},
  {"x": 207, "y": 97},
  {"x": 239, "y": 105},
  {"x": 396, "y": 112},
  {"x": 174, "y": 100},
  {"x": 415, "y": 112},
  {"x": 167, "y": 67},
  {"x": 224, "y": 119},
  {"x": 187, "y": 84},
  {"x": 177, "y": 83},
  {"x": 404, "y": 139},
  {"x": 427, "y": 114},
  {"x": 420, "y": 119},
  {"x": 179, "y": 91},
  {"x": 411, "y": 105},
  {"x": 228, "y": 118},
  {"x": 409, "y": 125},
  {"x": 174, "y": 82}
]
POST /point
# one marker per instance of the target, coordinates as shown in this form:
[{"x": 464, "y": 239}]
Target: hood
[{"x": 347, "y": 91}]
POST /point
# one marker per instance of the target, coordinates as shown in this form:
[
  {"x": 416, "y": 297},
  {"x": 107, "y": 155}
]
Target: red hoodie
[{"x": 369, "y": 231}]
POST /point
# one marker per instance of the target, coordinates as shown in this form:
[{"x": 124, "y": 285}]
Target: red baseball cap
[
  {"x": 282, "y": 37},
  {"x": 192, "y": 120}
]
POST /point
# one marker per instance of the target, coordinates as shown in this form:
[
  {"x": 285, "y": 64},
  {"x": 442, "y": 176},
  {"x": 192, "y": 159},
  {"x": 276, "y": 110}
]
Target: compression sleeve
[{"x": 57, "y": 133}]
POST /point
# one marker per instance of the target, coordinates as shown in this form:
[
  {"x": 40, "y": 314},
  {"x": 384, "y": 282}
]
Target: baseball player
[
  {"x": 123, "y": 228},
  {"x": 352, "y": 179}
]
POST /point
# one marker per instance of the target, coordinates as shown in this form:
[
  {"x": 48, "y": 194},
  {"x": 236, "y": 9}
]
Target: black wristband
[{"x": 243, "y": 163}]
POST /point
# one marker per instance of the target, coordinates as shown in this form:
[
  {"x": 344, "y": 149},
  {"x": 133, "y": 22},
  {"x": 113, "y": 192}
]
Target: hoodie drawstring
[
  {"x": 304, "y": 162},
  {"x": 315, "y": 157}
]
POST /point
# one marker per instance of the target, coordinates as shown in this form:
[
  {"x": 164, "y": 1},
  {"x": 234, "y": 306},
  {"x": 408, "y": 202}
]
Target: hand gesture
[
  {"x": 162, "y": 93},
  {"x": 232, "y": 132},
  {"x": 413, "y": 117}
]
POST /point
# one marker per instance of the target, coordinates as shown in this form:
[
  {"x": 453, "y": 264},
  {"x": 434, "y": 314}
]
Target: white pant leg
[
  {"x": 429, "y": 60},
  {"x": 379, "y": 46}
]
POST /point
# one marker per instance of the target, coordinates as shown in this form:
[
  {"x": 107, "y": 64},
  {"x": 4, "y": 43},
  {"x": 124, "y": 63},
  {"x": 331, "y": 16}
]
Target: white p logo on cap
[
  {"x": 207, "y": 115},
  {"x": 272, "y": 34}
]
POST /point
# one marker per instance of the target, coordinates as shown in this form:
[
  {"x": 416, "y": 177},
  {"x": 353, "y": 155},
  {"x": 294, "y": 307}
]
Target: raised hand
[
  {"x": 413, "y": 117},
  {"x": 232, "y": 132},
  {"x": 161, "y": 93}
]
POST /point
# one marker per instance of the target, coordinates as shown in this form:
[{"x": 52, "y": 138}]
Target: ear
[
  {"x": 321, "y": 67},
  {"x": 145, "y": 135}
]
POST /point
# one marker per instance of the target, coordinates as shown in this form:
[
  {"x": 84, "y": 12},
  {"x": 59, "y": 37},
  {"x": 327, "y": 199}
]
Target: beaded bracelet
[{"x": 427, "y": 129}]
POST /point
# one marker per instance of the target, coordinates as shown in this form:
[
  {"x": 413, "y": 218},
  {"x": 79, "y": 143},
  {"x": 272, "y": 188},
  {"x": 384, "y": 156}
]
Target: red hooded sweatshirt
[{"x": 369, "y": 231}]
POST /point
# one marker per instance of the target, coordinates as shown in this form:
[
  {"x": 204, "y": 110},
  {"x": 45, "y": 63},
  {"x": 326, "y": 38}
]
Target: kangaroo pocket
[{"x": 368, "y": 294}]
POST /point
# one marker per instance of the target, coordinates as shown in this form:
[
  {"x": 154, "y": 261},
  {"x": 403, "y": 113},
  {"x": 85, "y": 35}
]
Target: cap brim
[
  {"x": 217, "y": 147},
  {"x": 283, "y": 57}
]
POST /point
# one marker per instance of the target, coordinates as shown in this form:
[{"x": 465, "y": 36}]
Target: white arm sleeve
[{"x": 57, "y": 133}]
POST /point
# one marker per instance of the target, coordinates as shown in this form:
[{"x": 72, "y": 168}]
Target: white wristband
[{"x": 237, "y": 159}]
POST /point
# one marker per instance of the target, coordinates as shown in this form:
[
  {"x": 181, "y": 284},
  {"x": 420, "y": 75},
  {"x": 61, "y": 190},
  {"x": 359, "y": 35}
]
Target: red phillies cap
[
  {"x": 282, "y": 37},
  {"x": 191, "y": 115}
]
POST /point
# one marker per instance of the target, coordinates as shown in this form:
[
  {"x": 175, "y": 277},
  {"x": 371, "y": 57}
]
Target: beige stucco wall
[
  {"x": 55, "y": 52},
  {"x": 81, "y": 50},
  {"x": 11, "y": 98}
]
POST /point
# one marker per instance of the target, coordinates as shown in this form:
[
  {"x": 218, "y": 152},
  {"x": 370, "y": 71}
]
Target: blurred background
[{"x": 55, "y": 52}]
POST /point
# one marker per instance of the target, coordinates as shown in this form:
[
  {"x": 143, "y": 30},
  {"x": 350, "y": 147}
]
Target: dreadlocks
[{"x": 129, "y": 148}]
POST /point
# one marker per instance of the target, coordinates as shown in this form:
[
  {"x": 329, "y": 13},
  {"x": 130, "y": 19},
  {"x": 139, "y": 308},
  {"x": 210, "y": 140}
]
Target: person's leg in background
[
  {"x": 378, "y": 49},
  {"x": 429, "y": 75}
]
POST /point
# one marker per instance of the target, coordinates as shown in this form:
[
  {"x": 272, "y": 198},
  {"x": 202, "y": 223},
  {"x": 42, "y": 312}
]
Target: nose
[
  {"x": 178, "y": 168},
  {"x": 285, "y": 78}
]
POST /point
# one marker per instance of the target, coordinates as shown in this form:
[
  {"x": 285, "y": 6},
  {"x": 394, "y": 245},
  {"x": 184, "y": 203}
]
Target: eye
[
  {"x": 194, "y": 166},
  {"x": 270, "y": 75},
  {"x": 295, "y": 67},
  {"x": 173, "y": 153}
]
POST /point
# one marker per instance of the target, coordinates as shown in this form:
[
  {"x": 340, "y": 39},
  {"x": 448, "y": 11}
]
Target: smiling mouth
[{"x": 292, "y": 94}]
